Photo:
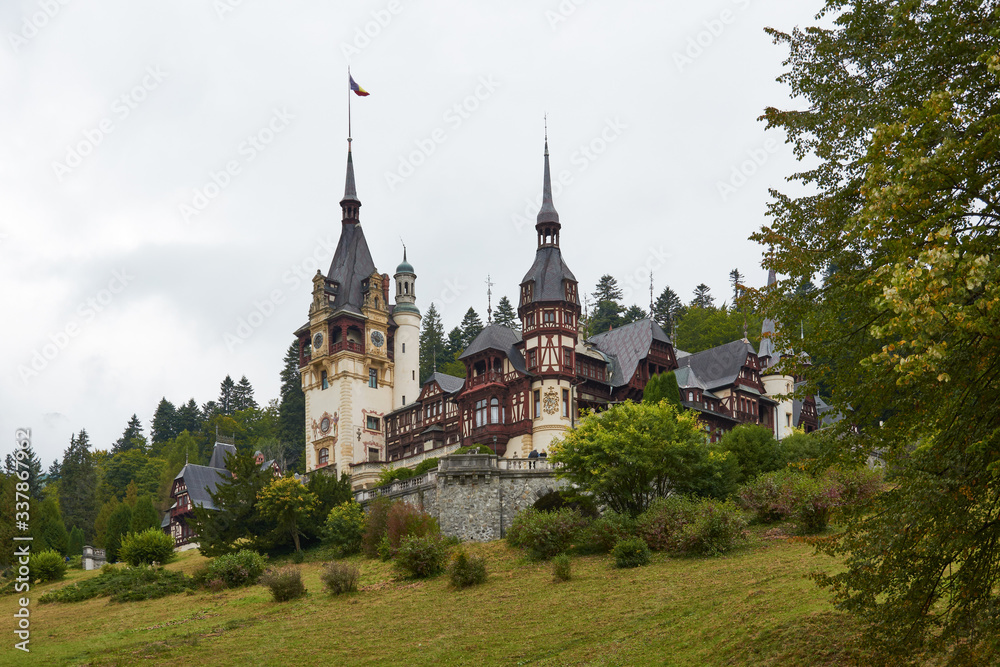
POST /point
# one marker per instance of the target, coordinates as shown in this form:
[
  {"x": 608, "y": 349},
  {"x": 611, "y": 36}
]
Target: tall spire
[
  {"x": 350, "y": 203},
  {"x": 548, "y": 219}
]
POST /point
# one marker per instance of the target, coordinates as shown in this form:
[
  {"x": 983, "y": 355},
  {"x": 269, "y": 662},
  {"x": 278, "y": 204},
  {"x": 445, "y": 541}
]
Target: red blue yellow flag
[{"x": 358, "y": 90}]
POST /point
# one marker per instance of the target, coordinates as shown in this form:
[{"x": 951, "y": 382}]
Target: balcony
[
  {"x": 347, "y": 345},
  {"x": 486, "y": 378},
  {"x": 184, "y": 509}
]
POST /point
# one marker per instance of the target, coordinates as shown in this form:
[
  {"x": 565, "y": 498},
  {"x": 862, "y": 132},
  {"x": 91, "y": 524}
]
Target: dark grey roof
[
  {"x": 718, "y": 366},
  {"x": 201, "y": 482},
  {"x": 350, "y": 191},
  {"x": 352, "y": 264},
  {"x": 688, "y": 379},
  {"x": 219, "y": 455},
  {"x": 627, "y": 346},
  {"x": 548, "y": 273},
  {"x": 165, "y": 522},
  {"x": 449, "y": 383},
  {"x": 492, "y": 337}
]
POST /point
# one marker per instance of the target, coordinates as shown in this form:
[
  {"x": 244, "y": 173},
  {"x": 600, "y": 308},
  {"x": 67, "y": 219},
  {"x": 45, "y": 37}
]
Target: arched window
[
  {"x": 323, "y": 380},
  {"x": 324, "y": 456},
  {"x": 494, "y": 411}
]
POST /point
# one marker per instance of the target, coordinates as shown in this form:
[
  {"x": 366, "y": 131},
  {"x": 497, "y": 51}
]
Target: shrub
[
  {"x": 716, "y": 527},
  {"x": 242, "y": 568},
  {"x": 150, "y": 546},
  {"x": 405, "y": 520},
  {"x": 661, "y": 525},
  {"x": 215, "y": 585},
  {"x": 47, "y": 566},
  {"x": 631, "y": 552},
  {"x": 123, "y": 585},
  {"x": 770, "y": 496},
  {"x": 465, "y": 570},
  {"x": 340, "y": 578},
  {"x": 811, "y": 501},
  {"x": 425, "y": 465},
  {"x": 800, "y": 447},
  {"x": 76, "y": 562},
  {"x": 421, "y": 556},
  {"x": 544, "y": 534},
  {"x": 378, "y": 515},
  {"x": 385, "y": 550},
  {"x": 858, "y": 485},
  {"x": 285, "y": 583},
  {"x": 755, "y": 448},
  {"x": 814, "y": 501},
  {"x": 601, "y": 535},
  {"x": 561, "y": 567},
  {"x": 557, "y": 500},
  {"x": 388, "y": 476}
]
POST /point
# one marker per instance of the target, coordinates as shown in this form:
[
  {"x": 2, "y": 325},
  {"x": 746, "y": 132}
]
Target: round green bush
[
  {"x": 47, "y": 566},
  {"x": 465, "y": 570},
  {"x": 285, "y": 583},
  {"x": 561, "y": 565},
  {"x": 242, "y": 568},
  {"x": 545, "y": 534},
  {"x": 422, "y": 556},
  {"x": 631, "y": 552},
  {"x": 150, "y": 546},
  {"x": 340, "y": 578}
]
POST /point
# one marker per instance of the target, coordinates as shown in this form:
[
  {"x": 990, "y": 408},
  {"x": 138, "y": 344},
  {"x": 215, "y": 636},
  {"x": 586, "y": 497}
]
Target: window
[
  {"x": 532, "y": 358},
  {"x": 565, "y": 403},
  {"x": 404, "y": 399},
  {"x": 480, "y": 413},
  {"x": 549, "y": 317},
  {"x": 567, "y": 358},
  {"x": 373, "y": 453},
  {"x": 529, "y": 320},
  {"x": 372, "y": 423},
  {"x": 538, "y": 404},
  {"x": 413, "y": 375},
  {"x": 373, "y": 378},
  {"x": 324, "y": 456},
  {"x": 404, "y": 348},
  {"x": 494, "y": 411},
  {"x": 323, "y": 380}
]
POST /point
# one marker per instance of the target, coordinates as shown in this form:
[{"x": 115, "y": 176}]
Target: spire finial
[
  {"x": 350, "y": 203},
  {"x": 548, "y": 213},
  {"x": 489, "y": 300}
]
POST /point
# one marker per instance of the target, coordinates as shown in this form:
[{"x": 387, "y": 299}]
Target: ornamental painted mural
[
  {"x": 326, "y": 426},
  {"x": 550, "y": 402}
]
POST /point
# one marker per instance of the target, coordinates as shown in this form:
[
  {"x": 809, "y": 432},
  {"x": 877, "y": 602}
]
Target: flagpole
[{"x": 348, "y": 106}]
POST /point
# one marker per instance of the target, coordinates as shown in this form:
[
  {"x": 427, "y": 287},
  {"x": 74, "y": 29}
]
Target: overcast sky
[{"x": 169, "y": 169}]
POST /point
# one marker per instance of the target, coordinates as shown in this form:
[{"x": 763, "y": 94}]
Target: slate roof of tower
[
  {"x": 720, "y": 365},
  {"x": 548, "y": 273},
  {"x": 498, "y": 337},
  {"x": 352, "y": 264},
  {"x": 449, "y": 383},
  {"x": 627, "y": 346},
  {"x": 201, "y": 482},
  {"x": 219, "y": 454}
]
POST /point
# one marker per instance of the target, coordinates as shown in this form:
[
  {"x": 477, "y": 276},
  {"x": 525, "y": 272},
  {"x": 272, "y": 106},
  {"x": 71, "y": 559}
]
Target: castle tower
[
  {"x": 775, "y": 383},
  {"x": 345, "y": 361},
  {"x": 407, "y": 338},
  {"x": 549, "y": 309}
]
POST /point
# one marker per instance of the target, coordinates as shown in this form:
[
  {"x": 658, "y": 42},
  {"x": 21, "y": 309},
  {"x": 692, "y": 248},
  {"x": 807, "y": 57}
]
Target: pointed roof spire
[
  {"x": 548, "y": 211},
  {"x": 350, "y": 203}
]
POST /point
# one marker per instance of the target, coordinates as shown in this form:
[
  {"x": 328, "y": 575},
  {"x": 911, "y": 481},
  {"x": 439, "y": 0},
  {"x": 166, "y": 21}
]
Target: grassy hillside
[{"x": 752, "y": 608}]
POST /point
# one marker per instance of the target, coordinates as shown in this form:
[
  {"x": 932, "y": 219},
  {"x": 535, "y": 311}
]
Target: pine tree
[
  {"x": 736, "y": 282},
  {"x": 607, "y": 289},
  {"x": 29, "y": 462},
  {"x": 607, "y": 312},
  {"x": 119, "y": 524},
  {"x": 471, "y": 327},
  {"x": 189, "y": 417},
  {"x": 100, "y": 528},
  {"x": 50, "y": 527},
  {"x": 208, "y": 411},
  {"x": 455, "y": 345},
  {"x": 225, "y": 403},
  {"x": 54, "y": 473},
  {"x": 633, "y": 314},
  {"x": 78, "y": 484},
  {"x": 132, "y": 437},
  {"x": 242, "y": 397},
  {"x": 506, "y": 315},
  {"x": 702, "y": 297},
  {"x": 432, "y": 343},
  {"x": 292, "y": 410},
  {"x": 667, "y": 310},
  {"x": 164, "y": 425},
  {"x": 144, "y": 515},
  {"x": 76, "y": 542}
]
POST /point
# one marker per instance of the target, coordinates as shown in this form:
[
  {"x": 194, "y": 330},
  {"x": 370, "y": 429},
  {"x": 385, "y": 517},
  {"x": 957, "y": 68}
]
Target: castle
[{"x": 366, "y": 407}]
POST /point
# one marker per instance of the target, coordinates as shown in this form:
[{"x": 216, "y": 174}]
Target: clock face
[
  {"x": 377, "y": 338},
  {"x": 318, "y": 342},
  {"x": 325, "y": 425}
]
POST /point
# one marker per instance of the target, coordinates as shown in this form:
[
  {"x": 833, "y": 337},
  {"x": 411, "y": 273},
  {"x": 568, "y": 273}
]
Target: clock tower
[{"x": 347, "y": 351}]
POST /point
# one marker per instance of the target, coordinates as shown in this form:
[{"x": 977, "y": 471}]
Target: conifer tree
[
  {"x": 667, "y": 310},
  {"x": 736, "y": 281},
  {"x": 292, "y": 410},
  {"x": 31, "y": 463},
  {"x": 144, "y": 515},
  {"x": 633, "y": 314},
  {"x": 471, "y": 327},
  {"x": 189, "y": 417},
  {"x": 506, "y": 315},
  {"x": 703, "y": 297},
  {"x": 242, "y": 396},
  {"x": 432, "y": 343},
  {"x": 225, "y": 403},
  {"x": 607, "y": 312},
  {"x": 78, "y": 484},
  {"x": 119, "y": 524},
  {"x": 76, "y": 542},
  {"x": 164, "y": 425},
  {"x": 132, "y": 437},
  {"x": 50, "y": 527}
]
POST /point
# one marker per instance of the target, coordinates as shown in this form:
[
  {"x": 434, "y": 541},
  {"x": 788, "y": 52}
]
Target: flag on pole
[{"x": 358, "y": 90}]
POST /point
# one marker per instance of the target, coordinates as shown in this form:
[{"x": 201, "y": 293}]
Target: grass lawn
[{"x": 752, "y": 608}]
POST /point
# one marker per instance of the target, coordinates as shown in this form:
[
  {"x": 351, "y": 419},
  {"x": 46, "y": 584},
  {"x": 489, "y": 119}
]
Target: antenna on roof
[
  {"x": 489, "y": 300},
  {"x": 650, "y": 295},
  {"x": 435, "y": 349}
]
